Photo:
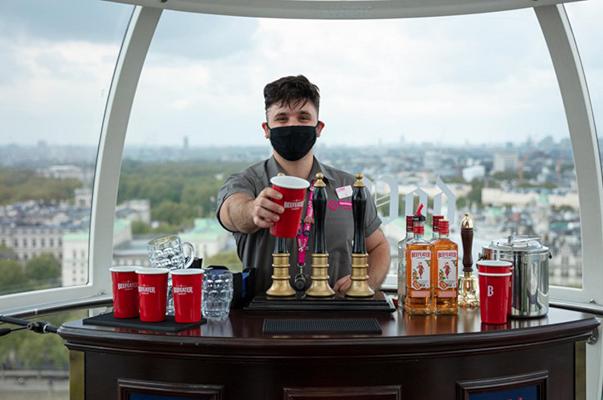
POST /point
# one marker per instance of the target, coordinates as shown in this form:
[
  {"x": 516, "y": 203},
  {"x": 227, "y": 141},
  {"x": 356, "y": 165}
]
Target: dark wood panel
[
  {"x": 127, "y": 387},
  {"x": 423, "y": 356},
  {"x": 338, "y": 393},
  {"x": 419, "y": 378},
  {"x": 538, "y": 380}
]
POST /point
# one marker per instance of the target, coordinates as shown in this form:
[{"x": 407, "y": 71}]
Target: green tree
[
  {"x": 12, "y": 277},
  {"x": 44, "y": 271},
  {"x": 7, "y": 253},
  {"x": 173, "y": 213}
]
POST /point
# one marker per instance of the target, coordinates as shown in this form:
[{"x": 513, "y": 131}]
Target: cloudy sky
[{"x": 453, "y": 80}]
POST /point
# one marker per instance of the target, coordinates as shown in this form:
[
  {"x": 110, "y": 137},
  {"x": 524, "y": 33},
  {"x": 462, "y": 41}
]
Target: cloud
[{"x": 452, "y": 79}]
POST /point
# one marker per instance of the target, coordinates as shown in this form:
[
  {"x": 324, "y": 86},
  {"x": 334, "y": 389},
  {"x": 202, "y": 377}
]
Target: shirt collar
[{"x": 273, "y": 168}]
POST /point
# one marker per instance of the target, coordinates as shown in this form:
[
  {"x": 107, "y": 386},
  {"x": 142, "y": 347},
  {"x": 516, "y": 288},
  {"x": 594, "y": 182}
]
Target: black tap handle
[
  {"x": 467, "y": 239},
  {"x": 359, "y": 199},
  {"x": 319, "y": 204}
]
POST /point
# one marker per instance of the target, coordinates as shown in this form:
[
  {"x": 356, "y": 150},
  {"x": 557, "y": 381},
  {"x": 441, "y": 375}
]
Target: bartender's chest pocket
[{"x": 339, "y": 227}]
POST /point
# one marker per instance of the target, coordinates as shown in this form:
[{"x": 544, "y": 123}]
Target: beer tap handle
[
  {"x": 319, "y": 205},
  {"x": 359, "y": 199},
  {"x": 467, "y": 239},
  {"x": 280, "y": 245}
]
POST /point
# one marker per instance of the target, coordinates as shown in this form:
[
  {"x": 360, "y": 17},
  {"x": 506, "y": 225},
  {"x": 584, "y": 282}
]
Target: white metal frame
[
  {"x": 564, "y": 53},
  {"x": 130, "y": 61},
  {"x": 341, "y": 9},
  {"x": 568, "y": 68}
]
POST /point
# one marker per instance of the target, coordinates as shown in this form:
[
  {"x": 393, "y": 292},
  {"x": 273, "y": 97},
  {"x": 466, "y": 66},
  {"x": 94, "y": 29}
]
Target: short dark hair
[{"x": 291, "y": 90}]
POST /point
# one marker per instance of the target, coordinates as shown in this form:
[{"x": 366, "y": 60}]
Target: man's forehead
[{"x": 293, "y": 107}]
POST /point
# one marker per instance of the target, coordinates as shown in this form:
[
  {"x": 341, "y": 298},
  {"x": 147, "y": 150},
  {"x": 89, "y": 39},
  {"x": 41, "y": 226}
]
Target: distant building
[
  {"x": 208, "y": 237},
  {"x": 499, "y": 197},
  {"x": 83, "y": 198},
  {"x": 64, "y": 172},
  {"x": 135, "y": 210},
  {"x": 28, "y": 242},
  {"x": 75, "y": 252},
  {"x": 474, "y": 172},
  {"x": 505, "y": 161}
]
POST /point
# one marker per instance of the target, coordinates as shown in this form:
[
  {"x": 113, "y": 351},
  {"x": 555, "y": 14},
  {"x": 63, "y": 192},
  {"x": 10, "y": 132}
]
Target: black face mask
[{"x": 293, "y": 142}]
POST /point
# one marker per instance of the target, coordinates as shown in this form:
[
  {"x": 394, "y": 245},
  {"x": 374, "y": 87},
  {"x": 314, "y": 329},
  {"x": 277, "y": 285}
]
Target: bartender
[{"x": 246, "y": 204}]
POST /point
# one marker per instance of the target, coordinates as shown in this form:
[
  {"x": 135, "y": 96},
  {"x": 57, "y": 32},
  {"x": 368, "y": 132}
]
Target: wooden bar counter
[{"x": 414, "y": 358}]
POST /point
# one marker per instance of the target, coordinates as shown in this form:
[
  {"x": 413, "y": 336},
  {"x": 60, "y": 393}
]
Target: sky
[{"x": 450, "y": 80}]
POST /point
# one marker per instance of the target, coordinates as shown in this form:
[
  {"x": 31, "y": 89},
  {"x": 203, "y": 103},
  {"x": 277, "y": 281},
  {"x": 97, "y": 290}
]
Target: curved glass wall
[
  {"x": 470, "y": 99},
  {"x": 585, "y": 17},
  {"x": 56, "y": 64}
]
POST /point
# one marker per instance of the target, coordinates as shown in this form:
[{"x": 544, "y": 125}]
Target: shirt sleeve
[
  {"x": 236, "y": 183},
  {"x": 371, "y": 219}
]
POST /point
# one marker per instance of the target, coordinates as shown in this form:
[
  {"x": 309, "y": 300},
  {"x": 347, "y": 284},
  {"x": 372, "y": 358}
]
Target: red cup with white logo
[
  {"x": 152, "y": 293},
  {"x": 494, "y": 296},
  {"x": 186, "y": 286},
  {"x": 293, "y": 190},
  {"x": 499, "y": 266},
  {"x": 125, "y": 292}
]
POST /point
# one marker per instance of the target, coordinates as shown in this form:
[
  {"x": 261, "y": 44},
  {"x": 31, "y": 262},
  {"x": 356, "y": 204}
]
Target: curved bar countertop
[{"x": 418, "y": 357}]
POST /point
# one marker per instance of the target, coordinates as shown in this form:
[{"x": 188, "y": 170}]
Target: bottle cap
[
  {"x": 444, "y": 226},
  {"x": 409, "y": 223},
  {"x": 434, "y": 222}
]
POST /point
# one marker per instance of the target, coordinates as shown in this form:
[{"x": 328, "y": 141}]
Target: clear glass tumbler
[{"x": 217, "y": 294}]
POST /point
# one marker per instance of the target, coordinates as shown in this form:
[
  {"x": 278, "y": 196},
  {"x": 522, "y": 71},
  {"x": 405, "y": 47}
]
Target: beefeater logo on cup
[
  {"x": 146, "y": 289},
  {"x": 127, "y": 285},
  {"x": 293, "y": 204},
  {"x": 183, "y": 289}
]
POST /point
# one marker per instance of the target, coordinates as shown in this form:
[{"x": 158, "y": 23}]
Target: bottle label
[
  {"x": 447, "y": 269},
  {"x": 420, "y": 260}
]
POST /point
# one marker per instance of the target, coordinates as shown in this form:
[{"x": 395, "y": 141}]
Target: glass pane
[
  {"x": 56, "y": 64},
  {"x": 34, "y": 365},
  {"x": 472, "y": 99},
  {"x": 585, "y": 17}
]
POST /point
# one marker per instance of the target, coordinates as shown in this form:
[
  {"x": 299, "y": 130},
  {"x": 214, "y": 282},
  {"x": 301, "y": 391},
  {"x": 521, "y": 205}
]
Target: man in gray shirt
[{"x": 245, "y": 201}]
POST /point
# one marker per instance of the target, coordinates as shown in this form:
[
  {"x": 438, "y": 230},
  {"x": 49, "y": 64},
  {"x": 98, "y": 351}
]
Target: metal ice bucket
[{"x": 530, "y": 273}]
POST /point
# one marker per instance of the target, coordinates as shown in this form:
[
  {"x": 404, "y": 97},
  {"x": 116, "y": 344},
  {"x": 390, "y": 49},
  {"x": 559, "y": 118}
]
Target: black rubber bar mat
[
  {"x": 316, "y": 326},
  {"x": 167, "y": 325},
  {"x": 379, "y": 302}
]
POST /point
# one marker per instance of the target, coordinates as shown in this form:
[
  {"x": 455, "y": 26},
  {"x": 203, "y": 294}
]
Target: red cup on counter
[
  {"x": 152, "y": 293},
  {"x": 293, "y": 190},
  {"x": 499, "y": 266},
  {"x": 494, "y": 296},
  {"x": 125, "y": 292},
  {"x": 186, "y": 284}
]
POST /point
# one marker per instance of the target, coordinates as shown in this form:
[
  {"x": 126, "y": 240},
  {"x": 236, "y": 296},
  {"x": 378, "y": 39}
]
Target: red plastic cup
[
  {"x": 186, "y": 284},
  {"x": 152, "y": 293},
  {"x": 125, "y": 292},
  {"x": 499, "y": 266},
  {"x": 293, "y": 190},
  {"x": 494, "y": 296}
]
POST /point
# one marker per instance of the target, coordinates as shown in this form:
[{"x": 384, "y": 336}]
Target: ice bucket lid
[{"x": 527, "y": 244}]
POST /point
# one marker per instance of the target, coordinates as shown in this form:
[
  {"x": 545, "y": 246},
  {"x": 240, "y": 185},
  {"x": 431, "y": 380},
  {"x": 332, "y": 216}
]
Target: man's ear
[
  {"x": 319, "y": 127},
  {"x": 266, "y": 130}
]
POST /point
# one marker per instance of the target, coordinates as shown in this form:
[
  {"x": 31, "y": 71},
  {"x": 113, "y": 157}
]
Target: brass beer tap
[
  {"x": 320, "y": 258},
  {"x": 468, "y": 287},
  {"x": 360, "y": 286}
]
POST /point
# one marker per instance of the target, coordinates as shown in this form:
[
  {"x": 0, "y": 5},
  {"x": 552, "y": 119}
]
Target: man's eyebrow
[{"x": 281, "y": 114}]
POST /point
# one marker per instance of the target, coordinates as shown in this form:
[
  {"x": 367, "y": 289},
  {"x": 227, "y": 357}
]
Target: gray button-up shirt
[{"x": 255, "y": 250}]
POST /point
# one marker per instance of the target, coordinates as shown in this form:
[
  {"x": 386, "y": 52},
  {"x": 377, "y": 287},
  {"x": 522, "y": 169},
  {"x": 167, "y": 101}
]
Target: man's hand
[
  {"x": 242, "y": 213},
  {"x": 343, "y": 284},
  {"x": 264, "y": 211}
]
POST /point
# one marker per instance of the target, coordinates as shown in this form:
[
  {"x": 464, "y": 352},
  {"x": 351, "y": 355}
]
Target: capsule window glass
[
  {"x": 56, "y": 64},
  {"x": 471, "y": 99}
]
